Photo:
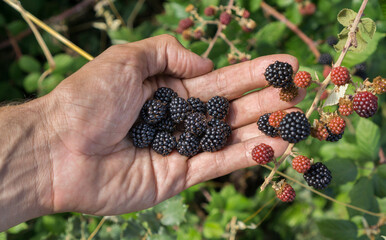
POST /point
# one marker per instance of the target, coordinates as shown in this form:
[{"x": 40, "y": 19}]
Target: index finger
[{"x": 233, "y": 81}]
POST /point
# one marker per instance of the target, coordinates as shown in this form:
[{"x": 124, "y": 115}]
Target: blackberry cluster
[
  {"x": 318, "y": 176},
  {"x": 279, "y": 74},
  {"x": 161, "y": 116}
]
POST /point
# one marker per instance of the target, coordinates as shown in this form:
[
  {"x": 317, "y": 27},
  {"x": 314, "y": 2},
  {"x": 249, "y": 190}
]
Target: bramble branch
[{"x": 351, "y": 39}]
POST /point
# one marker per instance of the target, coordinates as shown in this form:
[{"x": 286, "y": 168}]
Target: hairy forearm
[{"x": 25, "y": 166}]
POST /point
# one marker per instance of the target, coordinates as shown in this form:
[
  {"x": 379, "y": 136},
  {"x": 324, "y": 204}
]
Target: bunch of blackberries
[{"x": 166, "y": 113}]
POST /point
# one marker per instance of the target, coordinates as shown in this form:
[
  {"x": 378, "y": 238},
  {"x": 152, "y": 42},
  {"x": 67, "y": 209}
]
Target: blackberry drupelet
[
  {"x": 197, "y": 105},
  {"x": 188, "y": 145},
  {"x": 318, "y": 176},
  {"x": 213, "y": 140},
  {"x": 221, "y": 124},
  {"x": 179, "y": 109},
  {"x": 294, "y": 127},
  {"x": 153, "y": 111},
  {"x": 142, "y": 135},
  {"x": 166, "y": 125},
  {"x": 165, "y": 94},
  {"x": 195, "y": 123},
  {"x": 265, "y": 127},
  {"x": 218, "y": 107},
  {"x": 164, "y": 143},
  {"x": 325, "y": 59},
  {"x": 333, "y": 137},
  {"x": 279, "y": 74}
]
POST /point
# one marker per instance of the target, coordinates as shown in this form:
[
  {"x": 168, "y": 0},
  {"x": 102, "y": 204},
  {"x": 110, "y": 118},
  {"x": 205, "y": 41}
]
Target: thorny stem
[
  {"x": 325, "y": 83},
  {"x": 325, "y": 196},
  {"x": 271, "y": 11},
  {"x": 97, "y": 228}
]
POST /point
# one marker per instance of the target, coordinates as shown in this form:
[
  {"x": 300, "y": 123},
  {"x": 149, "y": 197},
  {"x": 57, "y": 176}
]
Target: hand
[{"x": 95, "y": 167}]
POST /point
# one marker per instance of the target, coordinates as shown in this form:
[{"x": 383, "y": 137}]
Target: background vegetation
[{"x": 231, "y": 206}]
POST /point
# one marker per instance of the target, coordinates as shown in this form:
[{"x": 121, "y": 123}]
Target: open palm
[{"x": 95, "y": 167}]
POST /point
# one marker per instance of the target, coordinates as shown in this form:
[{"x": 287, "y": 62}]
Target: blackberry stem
[{"x": 350, "y": 42}]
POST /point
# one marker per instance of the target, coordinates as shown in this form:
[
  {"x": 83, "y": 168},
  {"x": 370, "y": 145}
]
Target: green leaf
[
  {"x": 18, "y": 228},
  {"x": 17, "y": 27},
  {"x": 362, "y": 195},
  {"x": 379, "y": 186},
  {"x": 368, "y": 137},
  {"x": 29, "y": 64},
  {"x": 271, "y": 33},
  {"x": 367, "y": 27},
  {"x": 254, "y": 5},
  {"x": 337, "y": 229},
  {"x": 172, "y": 210},
  {"x": 3, "y": 236},
  {"x": 212, "y": 230},
  {"x": 30, "y": 82},
  {"x": 342, "y": 170},
  {"x": 53, "y": 224},
  {"x": 346, "y": 17},
  {"x": 199, "y": 47},
  {"x": 284, "y": 3}
]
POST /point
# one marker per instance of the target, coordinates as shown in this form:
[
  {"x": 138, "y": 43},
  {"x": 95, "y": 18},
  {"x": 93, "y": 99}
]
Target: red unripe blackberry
[
  {"x": 379, "y": 85},
  {"x": 262, "y": 154},
  {"x": 198, "y": 33},
  {"x": 301, "y": 163},
  {"x": 185, "y": 23},
  {"x": 365, "y": 104},
  {"x": 246, "y": 29},
  {"x": 326, "y": 71},
  {"x": 320, "y": 132},
  {"x": 289, "y": 93},
  {"x": 307, "y": 9},
  {"x": 246, "y": 14},
  {"x": 225, "y": 18},
  {"x": 324, "y": 95},
  {"x": 303, "y": 79},
  {"x": 275, "y": 118},
  {"x": 345, "y": 107},
  {"x": 286, "y": 193},
  {"x": 336, "y": 125},
  {"x": 340, "y": 76},
  {"x": 210, "y": 11}
]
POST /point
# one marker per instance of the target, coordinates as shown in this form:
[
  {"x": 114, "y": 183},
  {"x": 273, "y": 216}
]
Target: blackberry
[
  {"x": 279, "y": 74},
  {"x": 325, "y": 59},
  {"x": 153, "y": 111},
  {"x": 340, "y": 75},
  {"x": 197, "y": 105},
  {"x": 379, "y": 85},
  {"x": 365, "y": 104},
  {"x": 303, "y": 79},
  {"x": 275, "y": 118},
  {"x": 332, "y": 40},
  {"x": 210, "y": 11},
  {"x": 286, "y": 193},
  {"x": 361, "y": 67},
  {"x": 289, "y": 93},
  {"x": 213, "y": 140},
  {"x": 166, "y": 125},
  {"x": 179, "y": 109},
  {"x": 225, "y": 18},
  {"x": 333, "y": 137},
  {"x": 188, "y": 145},
  {"x": 221, "y": 124},
  {"x": 165, "y": 94},
  {"x": 218, "y": 107},
  {"x": 262, "y": 154},
  {"x": 164, "y": 143},
  {"x": 318, "y": 176},
  {"x": 142, "y": 135},
  {"x": 265, "y": 127},
  {"x": 294, "y": 127},
  {"x": 195, "y": 123},
  {"x": 185, "y": 23}
]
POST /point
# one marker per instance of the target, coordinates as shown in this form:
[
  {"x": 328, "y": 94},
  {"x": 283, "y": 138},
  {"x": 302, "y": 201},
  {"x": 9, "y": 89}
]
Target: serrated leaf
[
  {"x": 29, "y": 64},
  {"x": 342, "y": 36},
  {"x": 172, "y": 211},
  {"x": 338, "y": 229},
  {"x": 361, "y": 195},
  {"x": 346, "y": 17},
  {"x": 368, "y": 137},
  {"x": 342, "y": 170},
  {"x": 367, "y": 27},
  {"x": 335, "y": 95}
]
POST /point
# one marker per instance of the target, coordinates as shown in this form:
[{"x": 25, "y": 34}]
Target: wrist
[{"x": 25, "y": 162}]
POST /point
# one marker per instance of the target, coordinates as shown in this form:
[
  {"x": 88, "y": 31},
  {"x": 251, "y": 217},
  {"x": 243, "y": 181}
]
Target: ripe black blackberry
[
  {"x": 179, "y": 109},
  {"x": 197, "y": 105},
  {"x": 153, "y": 111},
  {"x": 164, "y": 143},
  {"x": 221, "y": 124},
  {"x": 325, "y": 59},
  {"x": 213, "y": 140},
  {"x": 195, "y": 123},
  {"x": 294, "y": 127},
  {"x": 333, "y": 137},
  {"x": 318, "y": 176},
  {"x": 188, "y": 145},
  {"x": 165, "y": 94},
  {"x": 265, "y": 127},
  {"x": 166, "y": 125},
  {"x": 142, "y": 135},
  {"x": 332, "y": 40},
  {"x": 218, "y": 107},
  {"x": 279, "y": 74},
  {"x": 360, "y": 70}
]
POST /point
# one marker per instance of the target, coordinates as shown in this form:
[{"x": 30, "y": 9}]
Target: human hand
[{"x": 95, "y": 167}]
